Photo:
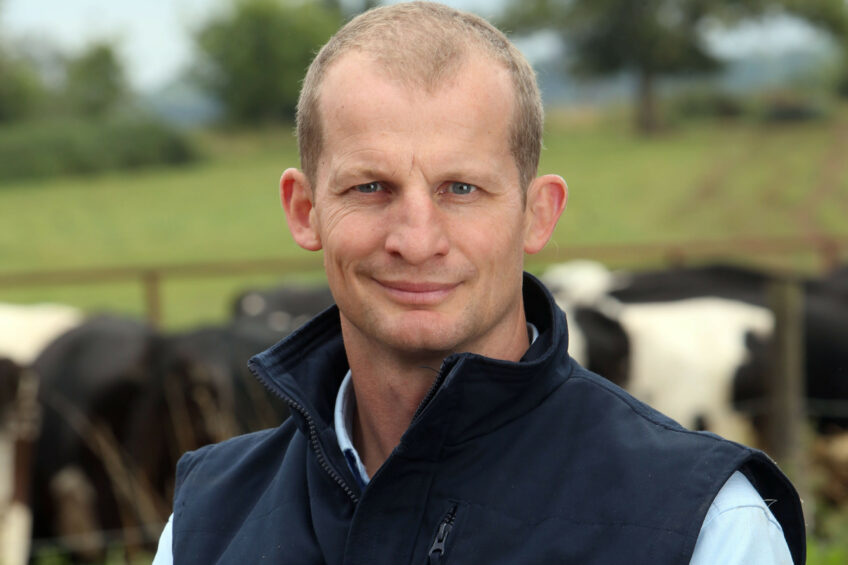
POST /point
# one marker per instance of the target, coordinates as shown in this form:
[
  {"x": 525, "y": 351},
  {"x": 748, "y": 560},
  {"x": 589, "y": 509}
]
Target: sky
[{"x": 154, "y": 36}]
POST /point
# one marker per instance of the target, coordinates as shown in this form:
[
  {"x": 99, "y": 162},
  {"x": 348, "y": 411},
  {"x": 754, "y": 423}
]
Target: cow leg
[
  {"x": 76, "y": 515},
  {"x": 15, "y": 533},
  {"x": 15, "y": 516}
]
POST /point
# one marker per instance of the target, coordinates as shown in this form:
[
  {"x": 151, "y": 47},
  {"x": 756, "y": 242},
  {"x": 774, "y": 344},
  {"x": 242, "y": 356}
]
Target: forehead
[{"x": 362, "y": 103}]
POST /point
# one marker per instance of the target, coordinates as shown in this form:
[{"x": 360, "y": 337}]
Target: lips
[{"x": 417, "y": 293}]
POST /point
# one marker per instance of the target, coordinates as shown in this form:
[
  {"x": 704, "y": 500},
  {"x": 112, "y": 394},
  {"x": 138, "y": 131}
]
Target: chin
[{"x": 424, "y": 339}]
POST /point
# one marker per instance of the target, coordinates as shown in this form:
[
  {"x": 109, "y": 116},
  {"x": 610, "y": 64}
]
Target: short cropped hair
[{"x": 421, "y": 43}]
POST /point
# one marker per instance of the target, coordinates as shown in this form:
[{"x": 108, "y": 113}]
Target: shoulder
[
  {"x": 600, "y": 396},
  {"x": 234, "y": 474},
  {"x": 247, "y": 452},
  {"x": 640, "y": 431},
  {"x": 606, "y": 429},
  {"x": 630, "y": 421},
  {"x": 653, "y": 444}
]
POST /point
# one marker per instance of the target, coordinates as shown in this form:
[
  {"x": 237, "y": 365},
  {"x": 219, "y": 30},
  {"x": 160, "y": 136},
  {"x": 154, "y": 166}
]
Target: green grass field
[{"x": 699, "y": 181}]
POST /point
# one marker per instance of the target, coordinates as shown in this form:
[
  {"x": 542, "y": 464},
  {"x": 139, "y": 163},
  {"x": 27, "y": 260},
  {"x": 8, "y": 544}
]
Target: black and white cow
[
  {"x": 26, "y": 329},
  {"x": 281, "y": 309},
  {"x": 834, "y": 284},
  {"x": 825, "y": 328},
  {"x": 118, "y": 410},
  {"x": 826, "y": 359},
  {"x": 122, "y": 402},
  {"x": 222, "y": 352},
  {"x": 596, "y": 338},
  {"x": 700, "y": 339}
]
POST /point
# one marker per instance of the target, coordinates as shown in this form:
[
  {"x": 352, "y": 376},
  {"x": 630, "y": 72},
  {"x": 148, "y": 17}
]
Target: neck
[
  {"x": 388, "y": 392},
  {"x": 390, "y": 386}
]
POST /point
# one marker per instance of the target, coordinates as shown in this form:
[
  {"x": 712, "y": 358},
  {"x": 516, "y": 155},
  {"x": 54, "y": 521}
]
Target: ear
[
  {"x": 296, "y": 197},
  {"x": 546, "y": 198}
]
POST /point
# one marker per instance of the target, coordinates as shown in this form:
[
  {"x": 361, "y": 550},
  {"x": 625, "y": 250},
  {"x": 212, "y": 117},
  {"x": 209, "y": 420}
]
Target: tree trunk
[{"x": 647, "y": 119}]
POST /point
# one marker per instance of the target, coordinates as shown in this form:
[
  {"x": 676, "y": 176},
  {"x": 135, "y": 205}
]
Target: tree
[
  {"x": 832, "y": 16},
  {"x": 650, "y": 37},
  {"x": 350, "y": 8},
  {"x": 255, "y": 56},
  {"x": 94, "y": 81},
  {"x": 21, "y": 89}
]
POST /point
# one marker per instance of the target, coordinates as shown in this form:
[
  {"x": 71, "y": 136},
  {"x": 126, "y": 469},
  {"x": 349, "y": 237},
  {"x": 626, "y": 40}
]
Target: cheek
[
  {"x": 498, "y": 239},
  {"x": 348, "y": 237}
]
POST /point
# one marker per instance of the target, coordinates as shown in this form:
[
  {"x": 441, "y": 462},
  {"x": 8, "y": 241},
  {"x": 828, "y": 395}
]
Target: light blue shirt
[{"x": 738, "y": 529}]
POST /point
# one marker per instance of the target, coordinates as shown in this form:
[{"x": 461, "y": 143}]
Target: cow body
[
  {"x": 122, "y": 402},
  {"x": 117, "y": 409},
  {"x": 281, "y": 309},
  {"x": 685, "y": 357},
  {"x": 26, "y": 329},
  {"x": 701, "y": 339}
]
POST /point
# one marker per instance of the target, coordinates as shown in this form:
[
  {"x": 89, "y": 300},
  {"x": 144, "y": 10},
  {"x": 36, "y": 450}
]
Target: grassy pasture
[{"x": 699, "y": 181}]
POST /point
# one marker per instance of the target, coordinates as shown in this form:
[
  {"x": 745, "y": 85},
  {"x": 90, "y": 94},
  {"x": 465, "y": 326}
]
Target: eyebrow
[
  {"x": 370, "y": 169},
  {"x": 381, "y": 170},
  {"x": 478, "y": 175}
]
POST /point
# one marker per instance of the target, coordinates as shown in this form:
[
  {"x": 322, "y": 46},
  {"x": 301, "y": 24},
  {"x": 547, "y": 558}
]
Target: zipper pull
[{"x": 437, "y": 550}]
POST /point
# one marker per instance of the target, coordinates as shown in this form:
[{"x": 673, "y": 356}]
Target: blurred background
[{"x": 144, "y": 255}]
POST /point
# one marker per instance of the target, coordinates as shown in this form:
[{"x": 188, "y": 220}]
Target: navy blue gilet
[{"x": 538, "y": 461}]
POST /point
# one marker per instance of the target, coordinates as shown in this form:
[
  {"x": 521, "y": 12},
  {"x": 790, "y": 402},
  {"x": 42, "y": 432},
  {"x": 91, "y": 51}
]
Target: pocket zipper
[{"x": 437, "y": 549}]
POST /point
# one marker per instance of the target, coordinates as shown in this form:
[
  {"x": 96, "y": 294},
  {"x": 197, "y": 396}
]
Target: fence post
[
  {"x": 786, "y": 427},
  {"x": 151, "y": 280},
  {"x": 828, "y": 251}
]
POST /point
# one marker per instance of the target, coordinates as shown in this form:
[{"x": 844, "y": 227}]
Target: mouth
[{"x": 417, "y": 293}]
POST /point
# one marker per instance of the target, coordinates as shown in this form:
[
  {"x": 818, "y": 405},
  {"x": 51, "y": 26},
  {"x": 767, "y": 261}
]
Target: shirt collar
[{"x": 343, "y": 420}]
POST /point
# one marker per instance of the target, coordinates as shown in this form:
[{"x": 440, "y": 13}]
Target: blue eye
[
  {"x": 369, "y": 187},
  {"x": 461, "y": 188}
]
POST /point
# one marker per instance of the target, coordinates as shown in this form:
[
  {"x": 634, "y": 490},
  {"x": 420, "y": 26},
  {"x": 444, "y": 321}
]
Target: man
[{"x": 436, "y": 414}]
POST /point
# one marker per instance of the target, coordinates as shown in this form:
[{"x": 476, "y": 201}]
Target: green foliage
[
  {"x": 75, "y": 146},
  {"x": 832, "y": 527},
  {"x": 94, "y": 81},
  {"x": 658, "y": 36},
  {"x": 349, "y": 8},
  {"x": 661, "y": 36},
  {"x": 826, "y": 554},
  {"x": 76, "y": 127},
  {"x": 652, "y": 37},
  {"x": 21, "y": 89},
  {"x": 255, "y": 57},
  {"x": 828, "y": 15},
  {"x": 841, "y": 78}
]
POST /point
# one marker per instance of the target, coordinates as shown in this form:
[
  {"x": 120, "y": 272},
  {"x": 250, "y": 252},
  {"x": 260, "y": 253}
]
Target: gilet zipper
[
  {"x": 313, "y": 435},
  {"x": 436, "y": 554},
  {"x": 434, "y": 389}
]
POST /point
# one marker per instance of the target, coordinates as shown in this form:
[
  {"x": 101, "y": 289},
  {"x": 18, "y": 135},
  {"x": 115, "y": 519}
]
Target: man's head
[
  {"x": 421, "y": 44},
  {"x": 416, "y": 197}
]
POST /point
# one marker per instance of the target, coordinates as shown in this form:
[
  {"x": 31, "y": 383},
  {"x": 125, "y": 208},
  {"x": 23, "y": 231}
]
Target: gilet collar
[{"x": 472, "y": 395}]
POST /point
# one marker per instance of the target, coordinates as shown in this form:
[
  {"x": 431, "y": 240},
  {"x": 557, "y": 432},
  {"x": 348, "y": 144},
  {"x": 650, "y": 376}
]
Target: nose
[{"x": 416, "y": 230}]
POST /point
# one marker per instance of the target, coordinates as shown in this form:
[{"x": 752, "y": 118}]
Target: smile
[{"x": 417, "y": 293}]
